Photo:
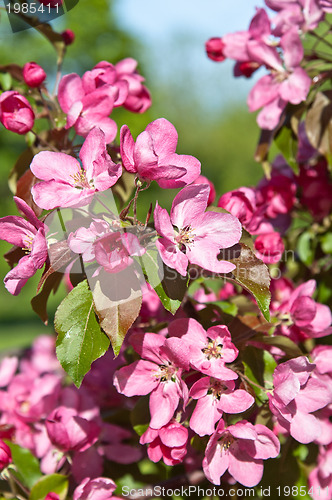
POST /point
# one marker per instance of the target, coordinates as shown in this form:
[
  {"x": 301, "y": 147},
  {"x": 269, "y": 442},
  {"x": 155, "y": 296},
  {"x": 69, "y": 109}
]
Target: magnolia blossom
[
  {"x": 169, "y": 443},
  {"x": 199, "y": 236},
  {"x": 213, "y": 398},
  {"x": 30, "y": 236},
  {"x": 64, "y": 183},
  {"x": 153, "y": 156},
  {"x": 158, "y": 373},
  {"x": 240, "y": 449}
]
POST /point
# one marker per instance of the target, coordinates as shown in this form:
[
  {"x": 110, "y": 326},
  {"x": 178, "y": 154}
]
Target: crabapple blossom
[
  {"x": 138, "y": 99},
  {"x": 209, "y": 349},
  {"x": 100, "y": 488},
  {"x": 201, "y": 179},
  {"x": 69, "y": 431},
  {"x": 269, "y": 247},
  {"x": 5, "y": 455},
  {"x": 296, "y": 396},
  {"x": 240, "y": 449},
  {"x": 199, "y": 236},
  {"x": 33, "y": 74},
  {"x": 320, "y": 478},
  {"x": 158, "y": 373},
  {"x": 169, "y": 443},
  {"x": 306, "y": 318},
  {"x": 64, "y": 183},
  {"x": 284, "y": 84},
  {"x": 16, "y": 113},
  {"x": 214, "y": 49},
  {"x": 113, "y": 251},
  {"x": 152, "y": 157},
  {"x": 30, "y": 236},
  {"x": 81, "y": 241},
  {"x": 213, "y": 398},
  {"x": 86, "y": 110},
  {"x": 68, "y": 37}
]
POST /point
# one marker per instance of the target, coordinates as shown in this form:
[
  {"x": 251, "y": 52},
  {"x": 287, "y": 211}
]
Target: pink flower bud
[
  {"x": 68, "y": 37},
  {"x": 52, "y": 496},
  {"x": 214, "y": 49},
  {"x": 16, "y": 113},
  {"x": 33, "y": 74},
  {"x": 5, "y": 455}
]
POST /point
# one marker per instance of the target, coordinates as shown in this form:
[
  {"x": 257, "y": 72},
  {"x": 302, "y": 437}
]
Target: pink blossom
[
  {"x": 277, "y": 195},
  {"x": 296, "y": 396},
  {"x": 214, "y": 49},
  {"x": 240, "y": 449},
  {"x": 16, "y": 113},
  {"x": 242, "y": 204},
  {"x": 284, "y": 84},
  {"x": 215, "y": 397},
  {"x": 322, "y": 357},
  {"x": 269, "y": 247},
  {"x": 158, "y": 373},
  {"x": 114, "y": 445},
  {"x": 86, "y": 110},
  {"x": 100, "y": 488},
  {"x": 114, "y": 251},
  {"x": 33, "y": 74},
  {"x": 5, "y": 455},
  {"x": 153, "y": 156},
  {"x": 169, "y": 443},
  {"x": 52, "y": 496},
  {"x": 30, "y": 236},
  {"x": 69, "y": 431},
  {"x": 64, "y": 183},
  {"x": 316, "y": 189},
  {"x": 307, "y": 318},
  {"x": 199, "y": 236},
  {"x": 201, "y": 179},
  {"x": 320, "y": 478},
  {"x": 209, "y": 349},
  {"x": 81, "y": 241},
  {"x": 8, "y": 369},
  {"x": 138, "y": 99}
]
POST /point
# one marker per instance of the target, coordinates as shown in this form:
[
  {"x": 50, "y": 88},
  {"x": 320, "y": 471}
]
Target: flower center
[
  {"x": 213, "y": 350},
  {"x": 226, "y": 441},
  {"x": 166, "y": 372},
  {"x": 80, "y": 180},
  {"x": 28, "y": 243},
  {"x": 185, "y": 237}
]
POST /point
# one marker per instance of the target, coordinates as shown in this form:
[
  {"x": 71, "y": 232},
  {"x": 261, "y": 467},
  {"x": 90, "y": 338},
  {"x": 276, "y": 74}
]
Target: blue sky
[{"x": 174, "y": 33}]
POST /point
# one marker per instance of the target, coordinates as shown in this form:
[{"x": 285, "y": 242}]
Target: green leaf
[
  {"x": 26, "y": 464},
  {"x": 6, "y": 81},
  {"x": 117, "y": 300},
  {"x": 140, "y": 415},
  {"x": 326, "y": 242},
  {"x": 226, "y": 307},
  {"x": 289, "y": 347},
  {"x": 154, "y": 270},
  {"x": 251, "y": 273},
  {"x": 287, "y": 145},
  {"x": 259, "y": 367},
  {"x": 80, "y": 340},
  {"x": 54, "y": 483},
  {"x": 306, "y": 247}
]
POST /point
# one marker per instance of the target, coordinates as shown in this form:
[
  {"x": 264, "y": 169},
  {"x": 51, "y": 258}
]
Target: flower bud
[
  {"x": 33, "y": 74},
  {"x": 68, "y": 37},
  {"x": 16, "y": 113},
  {"x": 214, "y": 49},
  {"x": 5, "y": 455}
]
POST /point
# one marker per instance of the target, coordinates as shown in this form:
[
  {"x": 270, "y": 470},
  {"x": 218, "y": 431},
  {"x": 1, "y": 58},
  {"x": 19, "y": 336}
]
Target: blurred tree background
[{"x": 222, "y": 138}]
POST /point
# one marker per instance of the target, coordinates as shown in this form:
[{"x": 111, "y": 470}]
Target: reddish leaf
[
  {"x": 23, "y": 190},
  {"x": 39, "y": 302}
]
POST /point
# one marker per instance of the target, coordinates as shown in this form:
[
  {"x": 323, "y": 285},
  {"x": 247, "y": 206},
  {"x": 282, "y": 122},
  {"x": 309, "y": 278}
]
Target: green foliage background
[{"x": 224, "y": 141}]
